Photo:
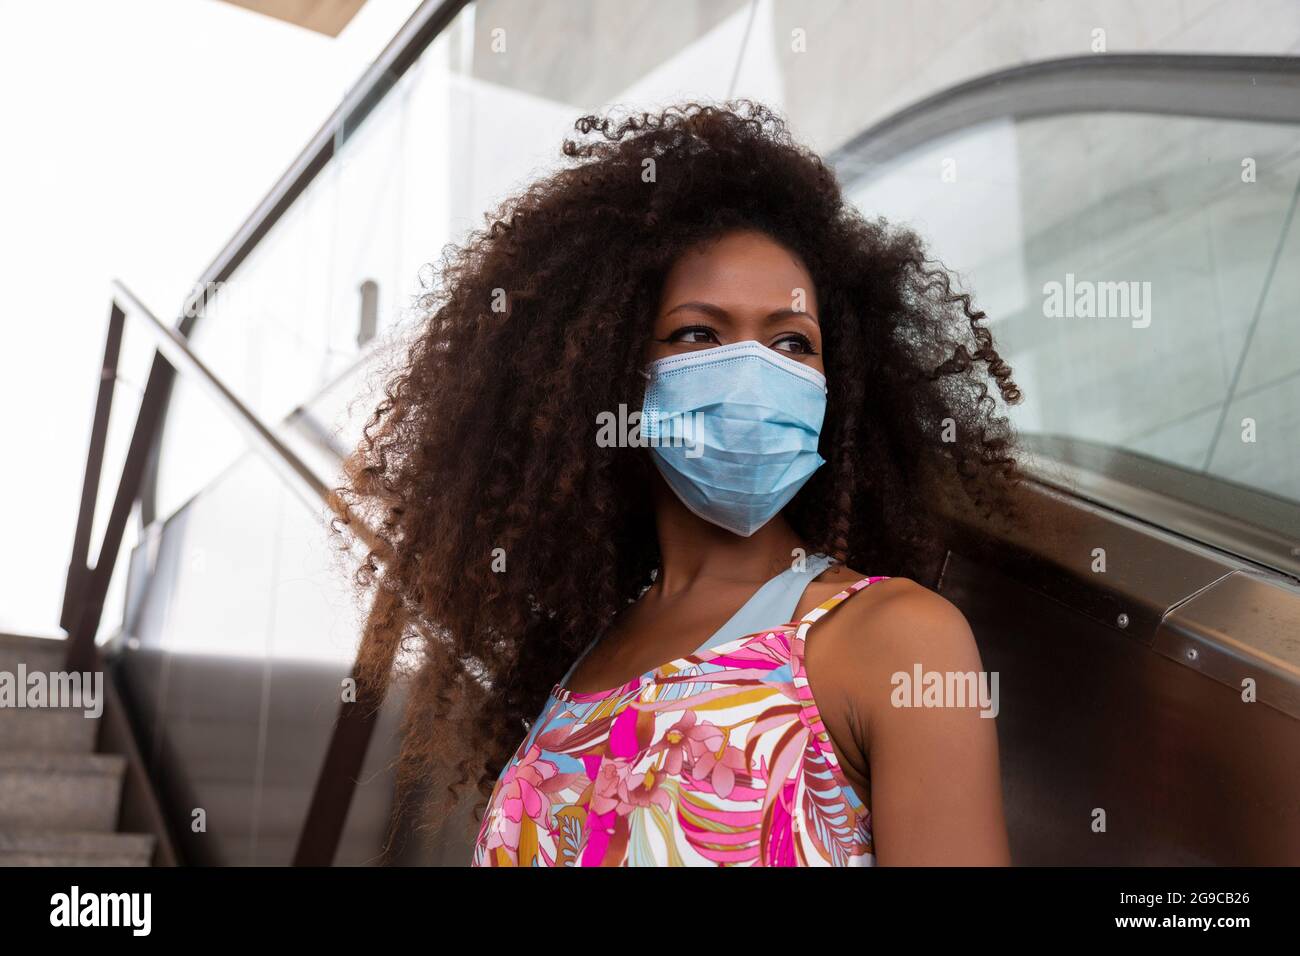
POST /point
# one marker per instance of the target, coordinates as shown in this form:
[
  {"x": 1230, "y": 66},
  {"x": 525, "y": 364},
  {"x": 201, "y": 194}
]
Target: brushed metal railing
[{"x": 87, "y": 584}]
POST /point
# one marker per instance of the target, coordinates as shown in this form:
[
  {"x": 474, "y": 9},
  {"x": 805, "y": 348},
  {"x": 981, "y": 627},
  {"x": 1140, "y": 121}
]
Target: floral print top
[{"x": 715, "y": 759}]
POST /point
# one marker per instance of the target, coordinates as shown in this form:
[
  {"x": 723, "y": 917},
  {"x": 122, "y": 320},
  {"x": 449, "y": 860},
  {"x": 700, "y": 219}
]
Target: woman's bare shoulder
[
  {"x": 890, "y": 625},
  {"x": 839, "y": 577}
]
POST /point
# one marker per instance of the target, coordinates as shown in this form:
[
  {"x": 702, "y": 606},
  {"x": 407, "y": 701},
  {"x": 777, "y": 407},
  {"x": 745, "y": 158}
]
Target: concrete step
[
  {"x": 74, "y": 848},
  {"x": 60, "y": 791},
  {"x": 62, "y": 730},
  {"x": 38, "y": 653}
]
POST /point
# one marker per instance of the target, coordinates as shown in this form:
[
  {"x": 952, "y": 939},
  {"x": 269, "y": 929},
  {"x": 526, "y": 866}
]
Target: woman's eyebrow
[
  {"x": 787, "y": 313},
  {"x": 707, "y": 307}
]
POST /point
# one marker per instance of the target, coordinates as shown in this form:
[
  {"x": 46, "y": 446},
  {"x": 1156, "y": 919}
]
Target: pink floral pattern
[{"x": 716, "y": 759}]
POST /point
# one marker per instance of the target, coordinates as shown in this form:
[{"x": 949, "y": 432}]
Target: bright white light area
[{"x": 137, "y": 137}]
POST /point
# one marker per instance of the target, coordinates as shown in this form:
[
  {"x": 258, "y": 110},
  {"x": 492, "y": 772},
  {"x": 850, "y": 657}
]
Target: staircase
[{"x": 59, "y": 800}]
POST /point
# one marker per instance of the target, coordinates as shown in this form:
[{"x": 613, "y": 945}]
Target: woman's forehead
[{"x": 743, "y": 267}]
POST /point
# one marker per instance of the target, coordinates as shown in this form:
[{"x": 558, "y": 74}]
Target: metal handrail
[
  {"x": 87, "y": 586},
  {"x": 300, "y": 476},
  {"x": 1264, "y": 89},
  {"x": 397, "y": 57}
]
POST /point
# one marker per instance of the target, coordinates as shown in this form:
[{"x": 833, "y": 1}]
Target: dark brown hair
[{"x": 485, "y": 438}]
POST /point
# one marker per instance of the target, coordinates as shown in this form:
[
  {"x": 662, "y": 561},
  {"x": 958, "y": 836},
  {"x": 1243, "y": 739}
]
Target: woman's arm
[{"x": 936, "y": 793}]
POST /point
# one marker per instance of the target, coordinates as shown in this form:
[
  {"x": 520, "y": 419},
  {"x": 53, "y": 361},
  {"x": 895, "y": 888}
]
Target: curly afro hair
[{"x": 483, "y": 448}]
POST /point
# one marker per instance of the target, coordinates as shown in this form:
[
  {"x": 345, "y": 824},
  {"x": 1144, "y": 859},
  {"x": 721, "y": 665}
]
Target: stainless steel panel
[
  {"x": 1243, "y": 627},
  {"x": 1147, "y": 570},
  {"x": 1091, "y": 720}
]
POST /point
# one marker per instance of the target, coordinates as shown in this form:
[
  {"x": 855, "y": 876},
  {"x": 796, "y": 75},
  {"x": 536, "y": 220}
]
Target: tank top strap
[
  {"x": 810, "y": 711},
  {"x": 821, "y": 610},
  {"x": 773, "y": 604}
]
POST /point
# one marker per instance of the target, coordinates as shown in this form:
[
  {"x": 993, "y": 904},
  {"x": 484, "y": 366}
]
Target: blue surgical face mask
[{"x": 733, "y": 430}]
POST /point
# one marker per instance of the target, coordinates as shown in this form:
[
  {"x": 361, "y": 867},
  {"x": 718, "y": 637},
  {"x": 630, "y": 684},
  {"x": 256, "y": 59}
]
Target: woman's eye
[
  {"x": 694, "y": 334},
  {"x": 798, "y": 344}
]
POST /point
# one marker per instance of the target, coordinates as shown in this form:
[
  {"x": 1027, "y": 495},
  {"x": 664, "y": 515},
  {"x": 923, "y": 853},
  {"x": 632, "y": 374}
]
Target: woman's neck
[{"x": 693, "y": 550}]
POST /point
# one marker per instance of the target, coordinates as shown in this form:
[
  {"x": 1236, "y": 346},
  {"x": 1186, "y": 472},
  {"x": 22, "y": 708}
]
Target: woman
[{"x": 658, "y": 487}]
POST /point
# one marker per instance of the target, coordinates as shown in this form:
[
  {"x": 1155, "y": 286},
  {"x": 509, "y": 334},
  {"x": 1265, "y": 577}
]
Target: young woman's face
[{"x": 742, "y": 286}]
